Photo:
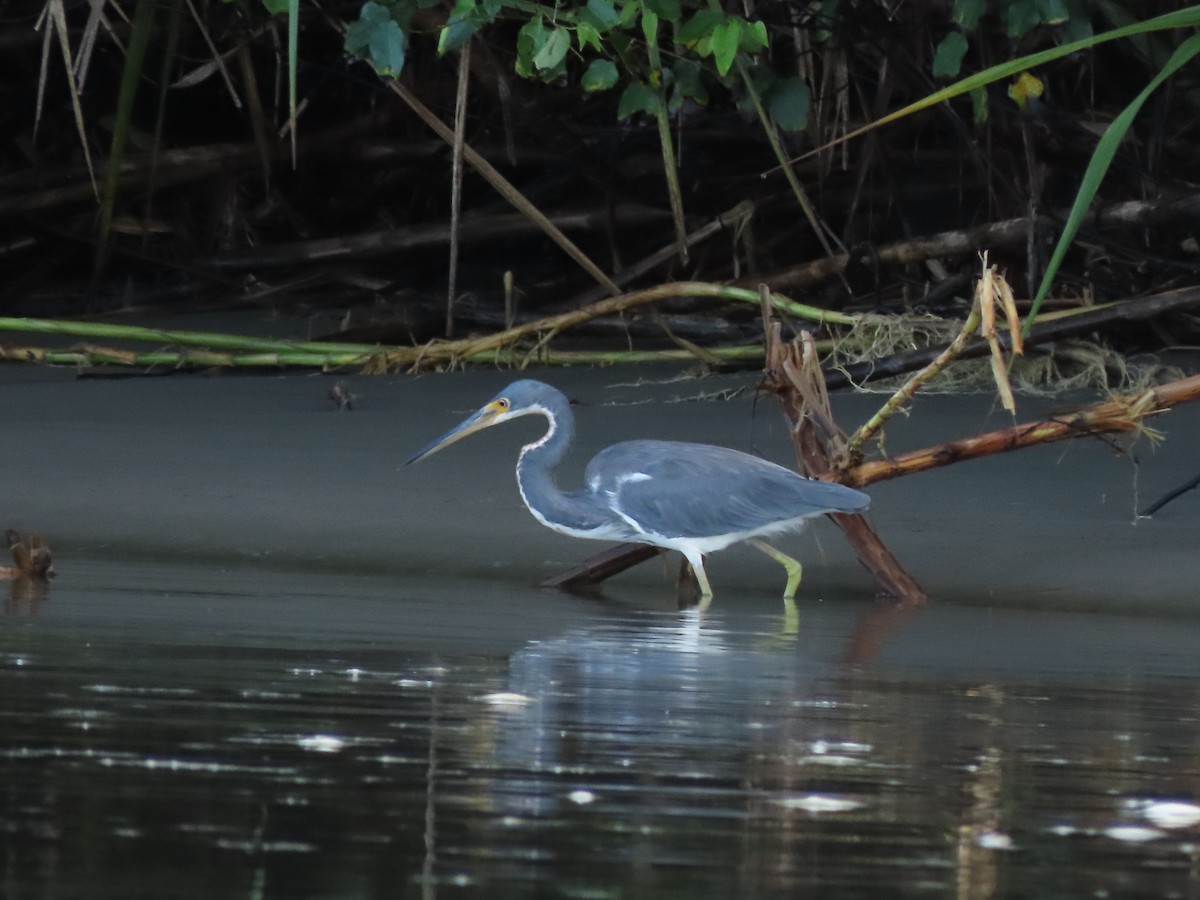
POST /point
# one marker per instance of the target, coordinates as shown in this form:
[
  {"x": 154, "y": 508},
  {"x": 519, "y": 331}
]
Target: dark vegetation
[{"x": 196, "y": 203}]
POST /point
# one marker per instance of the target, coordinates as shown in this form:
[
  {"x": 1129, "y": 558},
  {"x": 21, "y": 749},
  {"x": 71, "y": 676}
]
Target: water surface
[
  {"x": 276, "y": 664},
  {"x": 196, "y": 732}
]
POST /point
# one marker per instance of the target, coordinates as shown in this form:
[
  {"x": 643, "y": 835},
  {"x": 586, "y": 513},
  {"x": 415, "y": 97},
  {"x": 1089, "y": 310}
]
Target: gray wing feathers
[{"x": 697, "y": 490}]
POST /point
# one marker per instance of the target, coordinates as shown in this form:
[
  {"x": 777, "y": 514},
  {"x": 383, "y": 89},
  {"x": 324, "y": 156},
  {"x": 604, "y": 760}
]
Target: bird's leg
[
  {"x": 793, "y": 567},
  {"x": 696, "y": 561}
]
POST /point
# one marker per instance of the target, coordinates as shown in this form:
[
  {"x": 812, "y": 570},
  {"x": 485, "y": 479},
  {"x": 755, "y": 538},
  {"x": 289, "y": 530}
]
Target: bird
[{"x": 690, "y": 497}]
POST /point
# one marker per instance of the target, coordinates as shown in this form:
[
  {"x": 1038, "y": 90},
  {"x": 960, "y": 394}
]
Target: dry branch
[
  {"x": 795, "y": 378},
  {"x": 1010, "y": 232},
  {"x": 504, "y": 187},
  {"x": 1120, "y": 414},
  {"x": 382, "y": 243}
]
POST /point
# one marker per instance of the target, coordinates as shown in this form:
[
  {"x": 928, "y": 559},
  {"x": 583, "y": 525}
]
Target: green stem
[
  {"x": 192, "y": 359},
  {"x": 211, "y": 339}
]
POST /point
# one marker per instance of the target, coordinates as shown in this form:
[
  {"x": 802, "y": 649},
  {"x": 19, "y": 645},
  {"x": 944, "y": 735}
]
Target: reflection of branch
[
  {"x": 872, "y": 628},
  {"x": 428, "y": 890}
]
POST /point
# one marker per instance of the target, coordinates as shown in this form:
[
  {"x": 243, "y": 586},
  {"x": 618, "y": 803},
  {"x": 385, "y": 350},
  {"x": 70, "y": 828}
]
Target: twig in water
[{"x": 1168, "y": 497}]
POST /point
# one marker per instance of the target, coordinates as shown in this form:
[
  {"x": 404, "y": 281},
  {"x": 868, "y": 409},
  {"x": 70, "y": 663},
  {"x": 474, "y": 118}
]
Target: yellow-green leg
[
  {"x": 696, "y": 561},
  {"x": 794, "y": 570}
]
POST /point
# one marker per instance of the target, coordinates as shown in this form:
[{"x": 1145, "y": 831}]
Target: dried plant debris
[{"x": 31, "y": 557}]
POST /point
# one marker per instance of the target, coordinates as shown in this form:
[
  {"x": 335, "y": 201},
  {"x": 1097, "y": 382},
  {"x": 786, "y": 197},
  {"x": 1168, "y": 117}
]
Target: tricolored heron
[{"x": 694, "y": 498}]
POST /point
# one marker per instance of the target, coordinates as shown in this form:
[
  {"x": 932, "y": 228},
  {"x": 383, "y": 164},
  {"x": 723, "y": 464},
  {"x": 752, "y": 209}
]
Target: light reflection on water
[{"x": 315, "y": 737}]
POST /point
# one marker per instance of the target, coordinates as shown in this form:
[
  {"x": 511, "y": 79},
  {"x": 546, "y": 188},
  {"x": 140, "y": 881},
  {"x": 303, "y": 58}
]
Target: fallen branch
[
  {"x": 1010, "y": 232},
  {"x": 1170, "y": 496},
  {"x": 381, "y": 243},
  {"x": 793, "y": 375},
  {"x": 1120, "y": 414}
]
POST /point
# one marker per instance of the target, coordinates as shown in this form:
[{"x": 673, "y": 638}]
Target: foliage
[
  {"x": 602, "y": 45},
  {"x": 1018, "y": 18}
]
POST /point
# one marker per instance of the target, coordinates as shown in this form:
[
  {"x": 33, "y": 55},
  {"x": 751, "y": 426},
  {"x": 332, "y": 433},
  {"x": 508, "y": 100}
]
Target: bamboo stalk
[
  {"x": 208, "y": 339},
  {"x": 177, "y": 359},
  {"x": 379, "y": 358}
]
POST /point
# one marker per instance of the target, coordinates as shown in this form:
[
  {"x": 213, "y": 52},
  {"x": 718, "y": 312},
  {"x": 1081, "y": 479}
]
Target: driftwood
[
  {"x": 381, "y": 243},
  {"x": 1122, "y": 414},
  {"x": 1007, "y": 233},
  {"x": 178, "y": 166},
  {"x": 793, "y": 376}
]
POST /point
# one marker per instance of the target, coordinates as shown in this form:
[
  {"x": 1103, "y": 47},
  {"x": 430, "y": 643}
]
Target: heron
[{"x": 693, "y": 498}]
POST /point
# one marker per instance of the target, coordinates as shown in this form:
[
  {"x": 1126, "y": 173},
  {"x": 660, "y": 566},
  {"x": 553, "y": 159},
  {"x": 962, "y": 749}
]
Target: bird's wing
[{"x": 682, "y": 490}]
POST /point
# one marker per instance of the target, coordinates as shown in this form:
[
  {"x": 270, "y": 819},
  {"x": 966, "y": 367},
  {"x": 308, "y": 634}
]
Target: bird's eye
[{"x": 502, "y": 403}]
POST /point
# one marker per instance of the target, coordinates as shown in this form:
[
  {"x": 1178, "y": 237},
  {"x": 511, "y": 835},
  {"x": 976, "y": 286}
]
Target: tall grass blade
[
  {"x": 1184, "y": 18},
  {"x": 131, "y": 76},
  {"x": 1099, "y": 164}
]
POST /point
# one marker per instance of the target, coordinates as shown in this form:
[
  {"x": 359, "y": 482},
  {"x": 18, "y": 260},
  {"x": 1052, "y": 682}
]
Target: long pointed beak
[{"x": 484, "y": 418}]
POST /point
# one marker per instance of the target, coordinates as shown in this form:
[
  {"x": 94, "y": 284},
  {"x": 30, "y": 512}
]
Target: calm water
[{"x": 170, "y": 730}]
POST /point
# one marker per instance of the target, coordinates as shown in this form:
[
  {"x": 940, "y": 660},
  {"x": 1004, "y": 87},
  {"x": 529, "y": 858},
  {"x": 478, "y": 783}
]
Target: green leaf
[
  {"x": 600, "y": 75},
  {"x": 754, "y": 37},
  {"x": 788, "y": 104},
  {"x": 630, "y": 11},
  {"x": 371, "y": 17},
  {"x": 1053, "y": 12},
  {"x": 554, "y": 50},
  {"x": 530, "y": 39},
  {"x": 1021, "y": 17},
  {"x": 637, "y": 97},
  {"x": 947, "y": 60},
  {"x": 699, "y": 26},
  {"x": 664, "y": 9},
  {"x": 387, "y": 49},
  {"x": 966, "y": 13},
  {"x": 587, "y": 36},
  {"x": 275, "y": 7},
  {"x": 687, "y": 83},
  {"x": 604, "y": 14},
  {"x": 1079, "y": 26},
  {"x": 650, "y": 28},
  {"x": 456, "y": 33},
  {"x": 725, "y": 39}
]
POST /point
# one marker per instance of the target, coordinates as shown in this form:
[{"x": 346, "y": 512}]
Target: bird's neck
[{"x": 535, "y": 472}]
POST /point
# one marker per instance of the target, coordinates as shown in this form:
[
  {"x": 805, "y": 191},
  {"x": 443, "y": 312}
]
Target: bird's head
[{"x": 518, "y": 399}]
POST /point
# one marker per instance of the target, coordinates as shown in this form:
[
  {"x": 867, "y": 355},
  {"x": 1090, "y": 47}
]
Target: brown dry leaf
[
  {"x": 990, "y": 288},
  {"x": 1010, "y": 313}
]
